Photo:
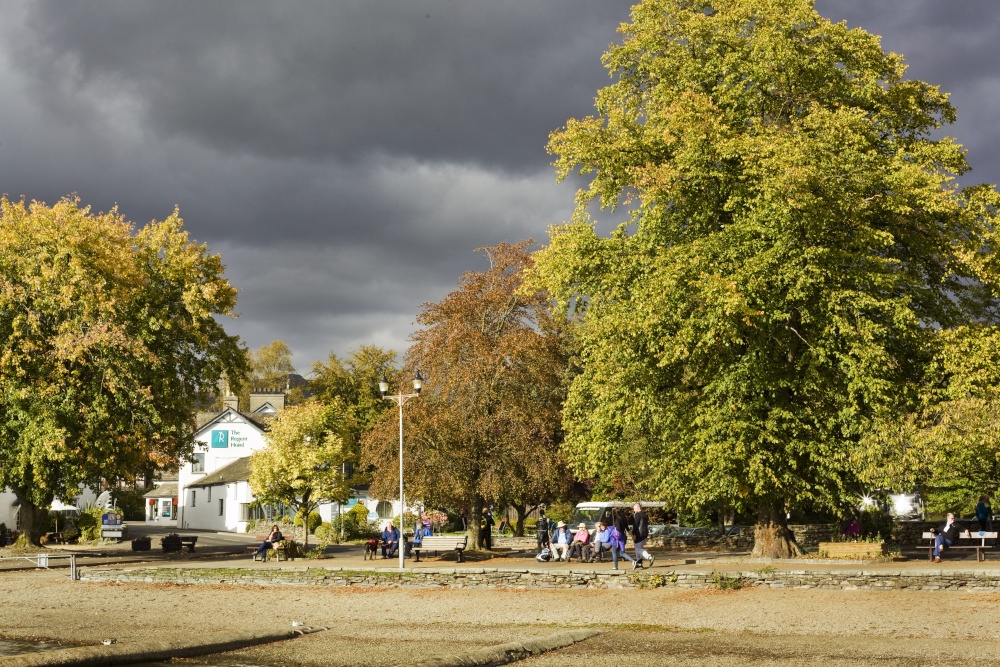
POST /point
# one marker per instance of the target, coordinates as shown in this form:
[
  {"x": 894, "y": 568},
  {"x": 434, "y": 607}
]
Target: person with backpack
[{"x": 542, "y": 538}]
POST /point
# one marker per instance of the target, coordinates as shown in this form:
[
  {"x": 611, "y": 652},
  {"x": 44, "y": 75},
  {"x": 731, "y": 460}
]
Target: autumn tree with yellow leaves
[{"x": 108, "y": 341}]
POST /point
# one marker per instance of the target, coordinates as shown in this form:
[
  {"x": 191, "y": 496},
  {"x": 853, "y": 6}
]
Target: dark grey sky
[{"x": 346, "y": 157}]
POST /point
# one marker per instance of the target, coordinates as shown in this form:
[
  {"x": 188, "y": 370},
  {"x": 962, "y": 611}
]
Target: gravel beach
[{"x": 383, "y": 626}]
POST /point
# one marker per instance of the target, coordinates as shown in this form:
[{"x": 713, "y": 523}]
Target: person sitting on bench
[
  {"x": 269, "y": 542},
  {"x": 946, "y": 535},
  {"x": 390, "y": 540},
  {"x": 581, "y": 543}
]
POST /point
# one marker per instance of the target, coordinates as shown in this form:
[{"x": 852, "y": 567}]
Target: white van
[{"x": 593, "y": 511}]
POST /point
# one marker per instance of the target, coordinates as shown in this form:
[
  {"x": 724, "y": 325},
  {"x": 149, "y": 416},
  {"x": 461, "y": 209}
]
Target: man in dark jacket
[
  {"x": 639, "y": 527},
  {"x": 947, "y": 533},
  {"x": 542, "y": 538}
]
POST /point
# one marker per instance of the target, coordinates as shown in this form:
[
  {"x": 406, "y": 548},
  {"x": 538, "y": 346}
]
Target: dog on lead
[{"x": 371, "y": 549}]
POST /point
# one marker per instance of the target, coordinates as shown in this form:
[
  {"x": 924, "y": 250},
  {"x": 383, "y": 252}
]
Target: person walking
[
  {"x": 621, "y": 523},
  {"x": 639, "y": 526}
]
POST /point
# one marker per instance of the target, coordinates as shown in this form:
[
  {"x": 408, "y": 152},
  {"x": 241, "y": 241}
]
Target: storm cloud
[{"x": 347, "y": 158}]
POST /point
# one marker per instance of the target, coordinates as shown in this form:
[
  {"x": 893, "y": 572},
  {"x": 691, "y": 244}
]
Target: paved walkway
[{"x": 214, "y": 549}]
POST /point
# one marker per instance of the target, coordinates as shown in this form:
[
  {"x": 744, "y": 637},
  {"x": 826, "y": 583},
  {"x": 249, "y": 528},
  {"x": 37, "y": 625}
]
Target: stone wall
[{"x": 887, "y": 579}]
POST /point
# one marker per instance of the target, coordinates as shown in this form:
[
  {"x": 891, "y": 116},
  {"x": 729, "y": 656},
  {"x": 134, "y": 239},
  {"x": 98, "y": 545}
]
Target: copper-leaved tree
[{"x": 487, "y": 425}]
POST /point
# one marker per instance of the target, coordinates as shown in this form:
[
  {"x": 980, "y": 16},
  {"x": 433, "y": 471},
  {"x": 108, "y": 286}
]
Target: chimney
[
  {"x": 261, "y": 397},
  {"x": 228, "y": 400}
]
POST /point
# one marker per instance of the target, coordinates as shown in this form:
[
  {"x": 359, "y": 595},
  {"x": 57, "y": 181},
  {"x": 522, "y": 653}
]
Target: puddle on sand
[{"x": 17, "y": 647}]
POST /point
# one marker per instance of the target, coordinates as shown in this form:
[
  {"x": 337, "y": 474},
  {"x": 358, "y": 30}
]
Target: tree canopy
[
  {"x": 108, "y": 340},
  {"x": 302, "y": 465},
  {"x": 354, "y": 382},
  {"x": 487, "y": 425},
  {"x": 795, "y": 246}
]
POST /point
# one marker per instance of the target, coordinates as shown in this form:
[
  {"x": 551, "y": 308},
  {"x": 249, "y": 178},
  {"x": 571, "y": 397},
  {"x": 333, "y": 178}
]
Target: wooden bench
[
  {"x": 441, "y": 543},
  {"x": 189, "y": 541},
  {"x": 282, "y": 550},
  {"x": 973, "y": 535}
]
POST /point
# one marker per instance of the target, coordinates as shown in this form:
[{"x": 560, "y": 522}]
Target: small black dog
[{"x": 371, "y": 549}]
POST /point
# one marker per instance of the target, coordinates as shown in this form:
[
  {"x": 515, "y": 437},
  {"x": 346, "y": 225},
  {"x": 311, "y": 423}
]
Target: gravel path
[{"x": 375, "y": 626}]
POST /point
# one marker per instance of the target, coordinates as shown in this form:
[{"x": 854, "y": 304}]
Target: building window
[
  {"x": 194, "y": 495},
  {"x": 258, "y": 512},
  {"x": 222, "y": 506},
  {"x": 209, "y": 494},
  {"x": 198, "y": 464},
  {"x": 384, "y": 509}
]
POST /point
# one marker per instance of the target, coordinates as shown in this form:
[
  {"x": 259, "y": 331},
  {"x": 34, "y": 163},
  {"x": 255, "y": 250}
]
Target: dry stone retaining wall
[{"x": 930, "y": 579}]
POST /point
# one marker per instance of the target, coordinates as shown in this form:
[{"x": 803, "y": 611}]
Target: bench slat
[{"x": 442, "y": 543}]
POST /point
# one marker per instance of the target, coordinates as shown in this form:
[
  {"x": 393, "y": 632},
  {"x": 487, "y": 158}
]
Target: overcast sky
[{"x": 346, "y": 158}]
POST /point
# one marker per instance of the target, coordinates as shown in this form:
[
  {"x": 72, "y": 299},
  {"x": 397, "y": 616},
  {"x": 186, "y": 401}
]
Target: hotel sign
[{"x": 222, "y": 439}]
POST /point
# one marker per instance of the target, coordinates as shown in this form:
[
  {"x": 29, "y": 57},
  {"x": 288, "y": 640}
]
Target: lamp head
[
  {"x": 383, "y": 386},
  {"x": 418, "y": 382}
]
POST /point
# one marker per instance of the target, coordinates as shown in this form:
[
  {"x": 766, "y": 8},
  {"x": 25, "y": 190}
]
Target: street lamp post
[{"x": 400, "y": 399}]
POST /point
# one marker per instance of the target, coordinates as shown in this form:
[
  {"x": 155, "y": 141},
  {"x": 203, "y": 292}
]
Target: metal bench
[
  {"x": 441, "y": 543},
  {"x": 980, "y": 535}
]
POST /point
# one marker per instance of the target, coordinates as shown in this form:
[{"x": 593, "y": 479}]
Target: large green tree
[
  {"x": 794, "y": 241},
  {"x": 486, "y": 428},
  {"x": 108, "y": 340}
]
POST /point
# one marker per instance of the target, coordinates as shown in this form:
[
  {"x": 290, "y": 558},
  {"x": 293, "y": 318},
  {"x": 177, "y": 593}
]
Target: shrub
[
  {"x": 724, "y": 582},
  {"x": 89, "y": 523},
  {"x": 324, "y": 534},
  {"x": 356, "y": 526},
  {"x": 314, "y": 521}
]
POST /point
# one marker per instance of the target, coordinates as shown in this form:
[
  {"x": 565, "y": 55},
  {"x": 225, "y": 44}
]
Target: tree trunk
[
  {"x": 522, "y": 512},
  {"x": 32, "y": 519},
  {"x": 304, "y": 514},
  {"x": 772, "y": 539},
  {"x": 472, "y": 523}
]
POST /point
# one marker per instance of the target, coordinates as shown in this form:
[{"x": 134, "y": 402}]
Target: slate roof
[
  {"x": 165, "y": 490},
  {"x": 203, "y": 419},
  {"x": 237, "y": 471}
]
